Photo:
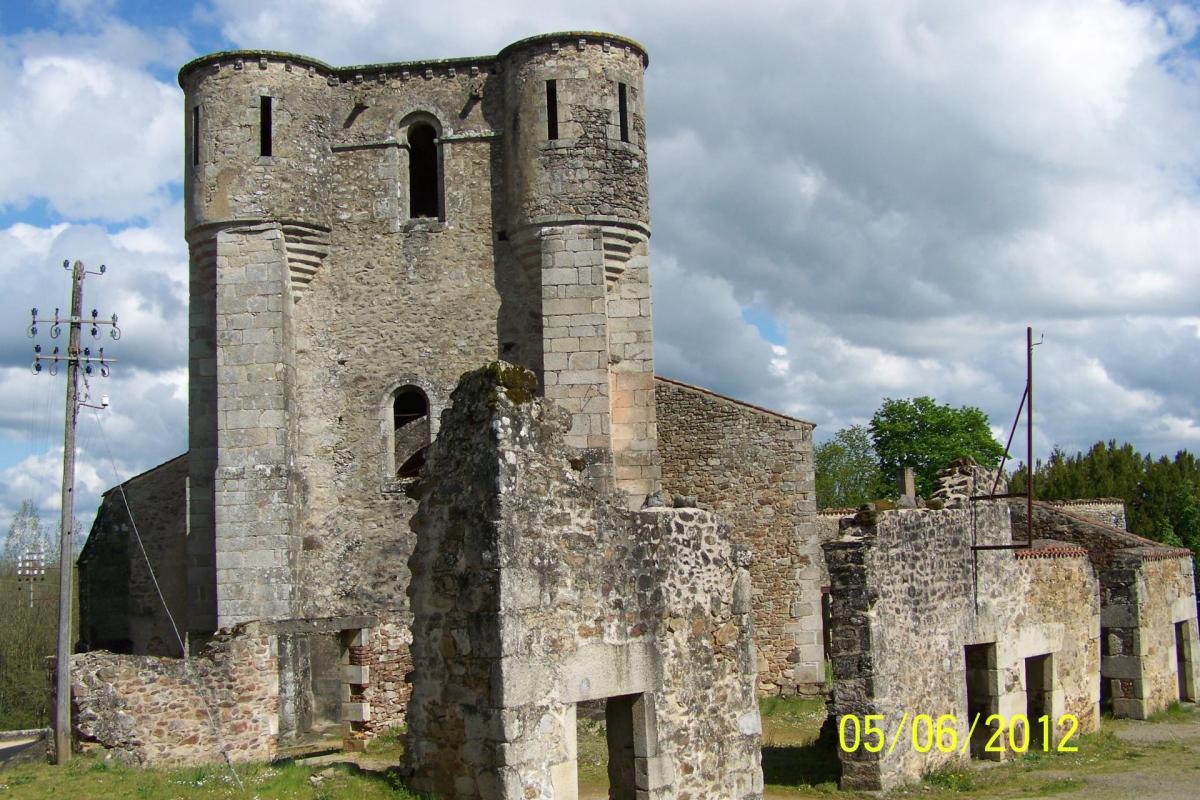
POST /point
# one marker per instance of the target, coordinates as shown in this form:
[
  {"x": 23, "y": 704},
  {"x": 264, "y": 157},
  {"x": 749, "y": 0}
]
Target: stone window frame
[
  {"x": 613, "y": 129},
  {"x": 387, "y": 432},
  {"x": 407, "y": 119},
  {"x": 567, "y": 124},
  {"x": 277, "y": 102}
]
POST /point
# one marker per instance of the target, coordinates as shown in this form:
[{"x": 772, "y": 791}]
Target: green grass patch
[
  {"x": 89, "y": 778},
  {"x": 1176, "y": 712},
  {"x": 954, "y": 779}
]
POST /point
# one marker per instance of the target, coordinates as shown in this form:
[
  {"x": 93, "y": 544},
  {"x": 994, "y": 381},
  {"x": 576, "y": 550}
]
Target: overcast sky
[{"x": 850, "y": 201}]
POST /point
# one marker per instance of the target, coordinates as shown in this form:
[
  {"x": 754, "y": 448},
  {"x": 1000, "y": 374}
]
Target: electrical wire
[{"x": 171, "y": 617}]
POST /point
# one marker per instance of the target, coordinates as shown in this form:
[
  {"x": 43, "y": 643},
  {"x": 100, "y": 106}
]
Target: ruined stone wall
[
  {"x": 908, "y": 597},
  {"x": 532, "y": 592},
  {"x": 1105, "y": 510},
  {"x": 119, "y": 607},
  {"x": 754, "y": 468},
  {"x": 167, "y": 711},
  {"x": 1146, "y": 595},
  {"x": 1064, "y": 523},
  {"x": 390, "y": 661}
]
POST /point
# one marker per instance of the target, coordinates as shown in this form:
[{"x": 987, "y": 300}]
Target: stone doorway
[
  {"x": 618, "y": 751},
  {"x": 983, "y": 695},
  {"x": 1039, "y": 699},
  {"x": 1184, "y": 661}
]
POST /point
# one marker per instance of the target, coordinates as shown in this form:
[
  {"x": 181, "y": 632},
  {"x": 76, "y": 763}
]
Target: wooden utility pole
[{"x": 74, "y": 359}]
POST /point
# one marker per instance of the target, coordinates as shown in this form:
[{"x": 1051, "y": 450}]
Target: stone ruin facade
[
  {"x": 532, "y": 592},
  {"x": 923, "y": 621},
  {"x": 361, "y": 237}
]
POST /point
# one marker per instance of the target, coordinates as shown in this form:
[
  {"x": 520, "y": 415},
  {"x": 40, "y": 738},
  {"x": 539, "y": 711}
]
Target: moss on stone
[{"x": 519, "y": 384}]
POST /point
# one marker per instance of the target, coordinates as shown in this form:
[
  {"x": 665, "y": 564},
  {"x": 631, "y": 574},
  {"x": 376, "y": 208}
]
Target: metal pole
[
  {"x": 66, "y": 555},
  {"x": 1029, "y": 434}
]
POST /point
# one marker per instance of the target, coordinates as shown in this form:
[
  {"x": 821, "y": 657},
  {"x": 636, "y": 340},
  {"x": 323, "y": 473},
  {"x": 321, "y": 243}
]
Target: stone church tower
[{"x": 359, "y": 238}]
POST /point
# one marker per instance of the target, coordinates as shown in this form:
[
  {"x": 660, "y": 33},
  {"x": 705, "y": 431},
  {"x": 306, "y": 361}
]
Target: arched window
[
  {"x": 422, "y": 171},
  {"x": 410, "y": 431}
]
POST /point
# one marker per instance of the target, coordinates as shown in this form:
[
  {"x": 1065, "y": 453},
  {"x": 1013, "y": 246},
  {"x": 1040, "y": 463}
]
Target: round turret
[
  {"x": 257, "y": 138},
  {"x": 575, "y": 133}
]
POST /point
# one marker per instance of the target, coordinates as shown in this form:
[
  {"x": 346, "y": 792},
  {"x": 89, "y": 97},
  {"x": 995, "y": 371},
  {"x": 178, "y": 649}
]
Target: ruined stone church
[
  {"x": 359, "y": 238},
  {"x": 433, "y": 478}
]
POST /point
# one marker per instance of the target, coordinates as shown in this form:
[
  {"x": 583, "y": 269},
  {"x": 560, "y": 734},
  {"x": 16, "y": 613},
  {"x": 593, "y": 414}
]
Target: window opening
[
  {"x": 410, "y": 431},
  {"x": 623, "y": 110},
  {"x": 264, "y": 125},
  {"x": 552, "y": 109},
  {"x": 422, "y": 171},
  {"x": 195, "y": 135}
]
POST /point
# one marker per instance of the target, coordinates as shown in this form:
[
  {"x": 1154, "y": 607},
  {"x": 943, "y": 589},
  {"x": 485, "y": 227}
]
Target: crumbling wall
[
  {"x": 163, "y": 711},
  {"x": 1147, "y": 594},
  {"x": 1064, "y": 523},
  {"x": 119, "y": 607},
  {"x": 532, "y": 592},
  {"x": 1147, "y": 589},
  {"x": 754, "y": 468},
  {"x": 908, "y": 596},
  {"x": 1105, "y": 510}
]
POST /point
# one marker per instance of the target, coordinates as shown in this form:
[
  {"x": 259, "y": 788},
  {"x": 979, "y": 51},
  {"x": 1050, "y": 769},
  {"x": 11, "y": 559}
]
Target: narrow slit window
[
  {"x": 422, "y": 172},
  {"x": 623, "y": 110},
  {"x": 264, "y": 125},
  {"x": 552, "y": 109},
  {"x": 195, "y": 135}
]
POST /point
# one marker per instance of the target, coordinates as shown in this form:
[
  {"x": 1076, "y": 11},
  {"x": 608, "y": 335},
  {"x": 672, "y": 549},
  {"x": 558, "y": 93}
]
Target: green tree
[
  {"x": 926, "y": 436},
  {"x": 847, "y": 470}
]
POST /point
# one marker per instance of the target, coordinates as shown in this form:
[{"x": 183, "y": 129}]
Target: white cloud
[{"x": 97, "y": 136}]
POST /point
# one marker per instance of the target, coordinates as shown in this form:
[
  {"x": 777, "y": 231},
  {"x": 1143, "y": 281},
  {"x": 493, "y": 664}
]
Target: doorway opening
[
  {"x": 1039, "y": 689},
  {"x": 1184, "y": 659},
  {"x": 607, "y": 745},
  {"x": 983, "y": 695}
]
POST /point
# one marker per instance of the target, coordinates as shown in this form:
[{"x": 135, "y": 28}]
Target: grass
[
  {"x": 1175, "y": 712},
  {"x": 89, "y": 778},
  {"x": 798, "y": 762}
]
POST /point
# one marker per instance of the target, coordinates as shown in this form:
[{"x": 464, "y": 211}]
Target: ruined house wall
[
  {"x": 1146, "y": 589},
  {"x": 1065, "y": 524},
  {"x": 906, "y": 601},
  {"x": 532, "y": 592},
  {"x": 119, "y": 607},
  {"x": 167, "y": 711},
  {"x": 1106, "y": 510},
  {"x": 754, "y": 468},
  {"x": 1146, "y": 595}
]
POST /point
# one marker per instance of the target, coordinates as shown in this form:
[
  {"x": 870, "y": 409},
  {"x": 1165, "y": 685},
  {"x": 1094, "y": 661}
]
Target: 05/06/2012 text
[{"x": 1012, "y": 734}]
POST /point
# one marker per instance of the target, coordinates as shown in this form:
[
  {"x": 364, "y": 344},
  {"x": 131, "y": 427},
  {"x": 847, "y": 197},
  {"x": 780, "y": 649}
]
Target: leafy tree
[
  {"x": 28, "y": 624},
  {"x": 26, "y": 533},
  {"x": 847, "y": 470},
  {"x": 926, "y": 436}
]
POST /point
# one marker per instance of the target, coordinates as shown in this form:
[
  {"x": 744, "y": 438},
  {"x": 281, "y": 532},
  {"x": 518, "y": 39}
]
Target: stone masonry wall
[
  {"x": 119, "y": 607},
  {"x": 532, "y": 592},
  {"x": 908, "y": 597},
  {"x": 754, "y": 468},
  {"x": 1146, "y": 589},
  {"x": 1107, "y": 510},
  {"x": 1103, "y": 541},
  {"x": 1146, "y": 594},
  {"x": 167, "y": 711}
]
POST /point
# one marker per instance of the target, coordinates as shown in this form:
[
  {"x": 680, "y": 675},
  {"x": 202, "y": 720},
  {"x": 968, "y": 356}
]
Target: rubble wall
[
  {"x": 167, "y": 711},
  {"x": 755, "y": 469},
  {"x": 1146, "y": 595},
  {"x": 533, "y": 592},
  {"x": 908, "y": 597},
  {"x": 1105, "y": 510}
]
